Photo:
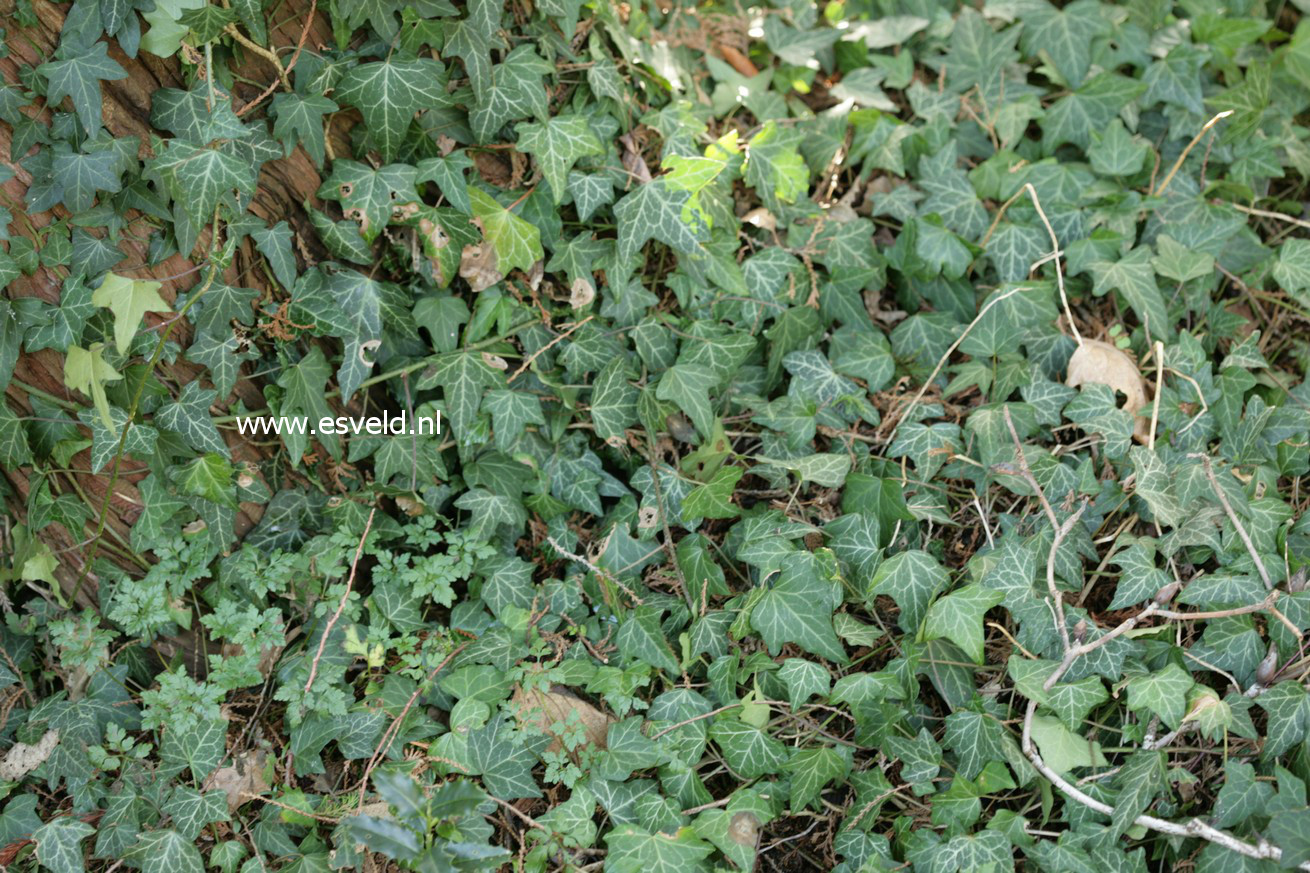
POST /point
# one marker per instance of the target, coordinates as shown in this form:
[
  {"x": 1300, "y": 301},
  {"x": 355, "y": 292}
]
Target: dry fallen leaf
[
  {"x": 632, "y": 160},
  {"x": 1098, "y": 363},
  {"x": 744, "y": 829},
  {"x": 545, "y": 708},
  {"x": 22, "y": 759},
  {"x": 761, "y": 218},
  {"x": 241, "y": 779}
]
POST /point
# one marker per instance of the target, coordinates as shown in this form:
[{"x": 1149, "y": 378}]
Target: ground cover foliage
[{"x": 874, "y": 438}]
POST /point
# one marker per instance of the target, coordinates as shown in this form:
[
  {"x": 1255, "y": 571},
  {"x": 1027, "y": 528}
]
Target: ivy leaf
[
  {"x": 305, "y": 385},
  {"x": 442, "y": 315},
  {"x": 490, "y": 511},
  {"x": 208, "y": 476},
  {"x": 166, "y": 851},
  {"x": 654, "y": 211},
  {"x": 1292, "y": 270},
  {"x": 202, "y": 178},
  {"x": 1099, "y": 99},
  {"x": 1163, "y": 693},
  {"x": 274, "y": 243},
  {"x": 129, "y": 300},
  {"x": 641, "y": 639},
  {"x": 14, "y": 449},
  {"x": 613, "y": 401},
  {"x": 1133, "y": 275},
  {"x": 911, "y": 578},
  {"x": 189, "y": 416},
  {"x": 688, "y": 386},
  {"x": 298, "y": 119},
  {"x": 59, "y": 844},
  {"x": 798, "y": 608},
  {"x": 463, "y": 377},
  {"x": 1115, "y": 152},
  {"x": 191, "y": 810},
  {"x": 713, "y": 499},
  {"x": 511, "y": 412},
  {"x": 1181, "y": 264},
  {"x": 82, "y": 175},
  {"x": 1288, "y": 707},
  {"x": 85, "y": 370},
  {"x": 1140, "y": 779},
  {"x": 222, "y": 355},
  {"x": 368, "y": 195},
  {"x": 1067, "y": 35},
  {"x": 748, "y": 750},
  {"x": 976, "y": 739},
  {"x": 812, "y": 770},
  {"x": 471, "y": 40},
  {"x": 634, "y": 850},
  {"x": 214, "y": 312},
  {"x": 503, "y": 760},
  {"x": 774, "y": 167},
  {"x": 448, "y": 173},
  {"x": 804, "y": 679},
  {"x": 207, "y": 22},
  {"x": 959, "y": 618},
  {"x": 516, "y": 91},
  {"x": 388, "y": 93},
  {"x": 78, "y": 77},
  {"x": 1174, "y": 79},
  {"x": 517, "y": 243},
  {"x": 1071, "y": 701},
  {"x": 557, "y": 144},
  {"x": 1243, "y": 797}
]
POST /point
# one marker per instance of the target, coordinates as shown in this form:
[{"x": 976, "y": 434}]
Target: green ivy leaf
[
  {"x": 959, "y": 618},
  {"x": 129, "y": 300},
  {"x": 557, "y": 144},
  {"x": 78, "y": 74},
  {"x": 388, "y": 93},
  {"x": 797, "y": 608}
]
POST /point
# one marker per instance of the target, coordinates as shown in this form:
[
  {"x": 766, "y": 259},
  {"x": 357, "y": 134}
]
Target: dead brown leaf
[
  {"x": 546, "y": 708},
  {"x": 1098, "y": 363},
  {"x": 241, "y": 779},
  {"x": 22, "y": 758}
]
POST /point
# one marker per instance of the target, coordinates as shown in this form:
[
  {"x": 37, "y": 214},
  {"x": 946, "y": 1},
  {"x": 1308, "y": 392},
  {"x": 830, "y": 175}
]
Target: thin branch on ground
[
  {"x": 1232, "y": 516},
  {"x": 341, "y": 606}
]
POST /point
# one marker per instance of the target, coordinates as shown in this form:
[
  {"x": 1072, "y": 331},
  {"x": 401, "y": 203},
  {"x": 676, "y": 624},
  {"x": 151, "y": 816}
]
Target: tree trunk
[{"x": 284, "y": 185}]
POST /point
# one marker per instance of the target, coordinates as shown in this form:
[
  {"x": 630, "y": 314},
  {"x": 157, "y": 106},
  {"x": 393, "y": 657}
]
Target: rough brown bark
[{"x": 284, "y": 185}]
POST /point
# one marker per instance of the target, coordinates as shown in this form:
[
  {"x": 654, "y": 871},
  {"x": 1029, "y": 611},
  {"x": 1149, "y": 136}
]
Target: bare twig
[
  {"x": 232, "y": 31},
  {"x": 394, "y": 728},
  {"x": 1261, "y": 850},
  {"x": 1267, "y": 213},
  {"x": 1232, "y": 516},
  {"x": 341, "y": 606},
  {"x": 542, "y": 350},
  {"x": 300, "y": 46},
  {"x": 591, "y": 565},
  {"x": 520, "y": 814},
  {"x": 1187, "y": 150},
  {"x": 1159, "y": 383},
  {"x": 1055, "y": 256},
  {"x": 1025, "y": 471},
  {"x": 944, "y": 358}
]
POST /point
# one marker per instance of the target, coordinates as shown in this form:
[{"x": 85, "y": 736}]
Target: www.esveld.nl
[{"x": 373, "y": 425}]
